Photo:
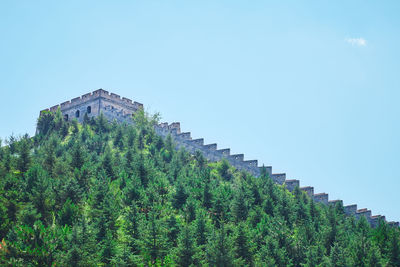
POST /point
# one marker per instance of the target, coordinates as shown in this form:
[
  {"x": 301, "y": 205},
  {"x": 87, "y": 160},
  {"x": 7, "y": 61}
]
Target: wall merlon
[
  {"x": 185, "y": 136},
  {"x": 211, "y": 146},
  {"x": 100, "y": 92},
  {"x": 239, "y": 157},
  {"x": 374, "y": 220},
  {"x": 103, "y": 92},
  {"x": 97, "y": 91},
  {"x": 393, "y": 224},
  {"x": 363, "y": 212},
  {"x": 308, "y": 189},
  {"x": 199, "y": 141},
  {"x": 115, "y": 96},
  {"x": 174, "y": 131},
  {"x": 54, "y": 108},
  {"x": 350, "y": 209},
  {"x": 377, "y": 217},
  {"x": 278, "y": 178},
  {"x": 176, "y": 126},
  {"x": 251, "y": 163},
  {"x": 127, "y": 100},
  {"x": 334, "y": 202},
  {"x": 85, "y": 96},
  {"x": 225, "y": 152},
  {"x": 65, "y": 104},
  {"x": 44, "y": 110},
  {"x": 268, "y": 169},
  {"x": 291, "y": 184},
  {"x": 138, "y": 105},
  {"x": 321, "y": 197},
  {"x": 75, "y": 100}
]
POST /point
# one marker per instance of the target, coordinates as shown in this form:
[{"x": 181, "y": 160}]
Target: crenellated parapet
[
  {"x": 321, "y": 198},
  {"x": 292, "y": 184},
  {"x": 211, "y": 151},
  {"x": 363, "y": 212},
  {"x": 120, "y": 109},
  {"x": 92, "y": 104},
  {"x": 350, "y": 209},
  {"x": 308, "y": 189},
  {"x": 278, "y": 178},
  {"x": 199, "y": 142},
  {"x": 335, "y": 202}
]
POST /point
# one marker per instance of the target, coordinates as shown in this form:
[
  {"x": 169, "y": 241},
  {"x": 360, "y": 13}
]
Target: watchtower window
[
  {"x": 66, "y": 117},
  {"x": 89, "y": 109},
  {"x": 77, "y": 114}
]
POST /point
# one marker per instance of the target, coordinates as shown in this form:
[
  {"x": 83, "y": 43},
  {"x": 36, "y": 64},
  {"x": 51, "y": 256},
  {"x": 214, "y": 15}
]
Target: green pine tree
[
  {"x": 394, "y": 259},
  {"x": 186, "y": 249},
  {"x": 241, "y": 241},
  {"x": 219, "y": 249}
]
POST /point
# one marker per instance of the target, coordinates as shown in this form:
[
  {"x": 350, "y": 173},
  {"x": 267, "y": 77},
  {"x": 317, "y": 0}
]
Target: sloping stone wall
[{"x": 121, "y": 109}]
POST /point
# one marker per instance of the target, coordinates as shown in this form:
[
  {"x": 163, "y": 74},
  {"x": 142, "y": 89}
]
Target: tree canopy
[{"x": 108, "y": 194}]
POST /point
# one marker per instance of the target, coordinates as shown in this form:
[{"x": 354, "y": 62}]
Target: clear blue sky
[{"x": 309, "y": 87}]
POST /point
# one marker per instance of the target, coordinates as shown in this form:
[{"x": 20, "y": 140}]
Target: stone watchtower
[{"x": 99, "y": 101}]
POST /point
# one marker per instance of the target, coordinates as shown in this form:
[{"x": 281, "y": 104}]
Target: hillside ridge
[{"x": 121, "y": 109}]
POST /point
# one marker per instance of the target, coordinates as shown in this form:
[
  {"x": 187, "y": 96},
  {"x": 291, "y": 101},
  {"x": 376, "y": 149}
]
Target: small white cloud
[{"x": 357, "y": 41}]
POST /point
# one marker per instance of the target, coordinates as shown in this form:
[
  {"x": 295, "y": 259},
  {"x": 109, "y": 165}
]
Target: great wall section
[{"x": 121, "y": 109}]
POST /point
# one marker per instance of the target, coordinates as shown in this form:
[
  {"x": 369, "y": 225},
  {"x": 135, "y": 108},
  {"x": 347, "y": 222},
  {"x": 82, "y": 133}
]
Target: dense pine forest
[{"x": 106, "y": 194}]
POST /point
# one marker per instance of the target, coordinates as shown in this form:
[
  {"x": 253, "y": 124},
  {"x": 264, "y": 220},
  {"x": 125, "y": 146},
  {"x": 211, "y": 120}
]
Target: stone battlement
[
  {"x": 95, "y": 95},
  {"x": 121, "y": 109},
  {"x": 211, "y": 153},
  {"x": 92, "y": 104}
]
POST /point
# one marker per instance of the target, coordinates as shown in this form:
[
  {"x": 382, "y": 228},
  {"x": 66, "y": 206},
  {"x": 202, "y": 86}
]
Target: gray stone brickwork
[
  {"x": 112, "y": 105},
  {"x": 308, "y": 189},
  {"x": 321, "y": 197},
  {"x": 120, "y": 109},
  {"x": 335, "y": 202}
]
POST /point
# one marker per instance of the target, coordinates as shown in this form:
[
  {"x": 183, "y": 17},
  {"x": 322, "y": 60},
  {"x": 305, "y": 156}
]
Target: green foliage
[
  {"x": 24, "y": 159},
  {"x": 186, "y": 248},
  {"x": 45, "y": 122},
  {"x": 103, "y": 194},
  {"x": 219, "y": 248},
  {"x": 394, "y": 251}
]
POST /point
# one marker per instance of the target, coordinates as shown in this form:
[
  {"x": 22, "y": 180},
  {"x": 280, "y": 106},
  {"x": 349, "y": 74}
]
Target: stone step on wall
[
  {"x": 308, "y": 189},
  {"x": 210, "y": 151},
  {"x": 199, "y": 141},
  {"x": 350, "y": 210},
  {"x": 268, "y": 170},
  {"x": 238, "y": 157},
  {"x": 292, "y": 184},
  {"x": 321, "y": 198},
  {"x": 363, "y": 212},
  {"x": 374, "y": 220},
  {"x": 278, "y": 178},
  {"x": 335, "y": 202}
]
